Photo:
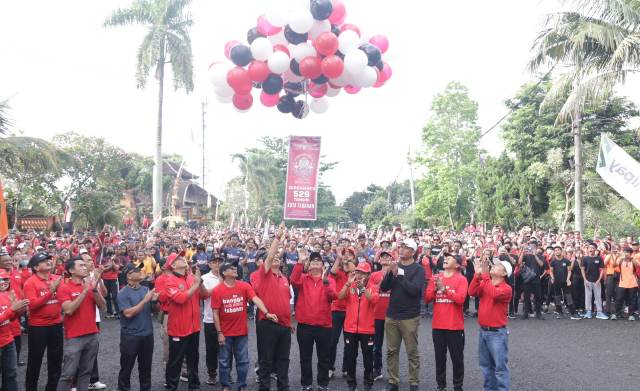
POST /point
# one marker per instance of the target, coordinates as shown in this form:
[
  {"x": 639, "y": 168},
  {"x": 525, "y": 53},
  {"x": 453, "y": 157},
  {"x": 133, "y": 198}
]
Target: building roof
[{"x": 171, "y": 168}]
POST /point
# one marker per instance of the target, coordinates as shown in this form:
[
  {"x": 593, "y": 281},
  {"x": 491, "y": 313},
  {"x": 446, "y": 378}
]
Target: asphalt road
[{"x": 544, "y": 355}]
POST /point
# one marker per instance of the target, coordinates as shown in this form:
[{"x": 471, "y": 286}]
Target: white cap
[
  {"x": 21, "y": 245},
  {"x": 507, "y": 267},
  {"x": 411, "y": 244},
  {"x": 83, "y": 251}
]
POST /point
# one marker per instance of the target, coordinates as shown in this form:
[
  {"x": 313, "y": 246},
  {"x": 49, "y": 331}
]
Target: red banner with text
[{"x": 301, "y": 192}]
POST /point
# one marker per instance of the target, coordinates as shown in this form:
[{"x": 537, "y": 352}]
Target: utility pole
[
  {"x": 204, "y": 126},
  {"x": 576, "y": 126},
  {"x": 413, "y": 192}
]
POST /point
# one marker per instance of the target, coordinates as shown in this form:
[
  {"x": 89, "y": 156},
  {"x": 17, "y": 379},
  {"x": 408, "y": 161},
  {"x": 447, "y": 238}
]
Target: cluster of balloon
[{"x": 296, "y": 52}]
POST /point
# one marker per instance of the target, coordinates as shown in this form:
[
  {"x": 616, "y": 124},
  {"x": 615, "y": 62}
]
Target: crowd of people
[{"x": 363, "y": 287}]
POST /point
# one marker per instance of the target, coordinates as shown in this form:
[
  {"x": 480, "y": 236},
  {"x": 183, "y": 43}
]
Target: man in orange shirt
[{"x": 628, "y": 286}]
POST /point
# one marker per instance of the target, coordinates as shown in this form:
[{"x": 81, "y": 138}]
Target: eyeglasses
[{"x": 5, "y": 280}]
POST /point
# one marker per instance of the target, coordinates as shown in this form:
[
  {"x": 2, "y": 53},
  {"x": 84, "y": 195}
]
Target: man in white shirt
[{"x": 210, "y": 281}]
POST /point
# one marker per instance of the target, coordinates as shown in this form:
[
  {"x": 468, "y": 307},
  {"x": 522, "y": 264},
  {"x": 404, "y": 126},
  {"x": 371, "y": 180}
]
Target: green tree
[
  {"x": 167, "y": 41},
  {"x": 355, "y": 203},
  {"x": 374, "y": 213},
  {"x": 450, "y": 156}
]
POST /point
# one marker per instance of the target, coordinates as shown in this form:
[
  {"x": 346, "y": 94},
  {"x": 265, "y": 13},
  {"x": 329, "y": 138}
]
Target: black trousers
[
  {"x": 18, "y": 341},
  {"x": 577, "y": 292},
  {"x": 337, "y": 321},
  {"x": 628, "y": 295},
  {"x": 378, "y": 340},
  {"x": 351, "y": 342},
  {"x": 308, "y": 336},
  {"x": 179, "y": 349},
  {"x": 453, "y": 341},
  {"x": 211, "y": 347},
  {"x": 41, "y": 338},
  {"x": 112, "y": 296},
  {"x": 534, "y": 287},
  {"x": 134, "y": 348},
  {"x": 560, "y": 289},
  {"x": 274, "y": 346}
]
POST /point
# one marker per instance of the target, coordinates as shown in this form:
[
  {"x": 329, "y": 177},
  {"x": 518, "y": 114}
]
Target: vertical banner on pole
[{"x": 301, "y": 192}]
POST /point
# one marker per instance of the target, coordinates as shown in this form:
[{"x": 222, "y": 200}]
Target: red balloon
[
  {"x": 326, "y": 43},
  {"x": 351, "y": 90},
  {"x": 227, "y": 48},
  {"x": 239, "y": 80},
  {"x": 269, "y": 100},
  {"x": 352, "y": 27},
  {"x": 317, "y": 90},
  {"x": 281, "y": 48},
  {"x": 380, "y": 41},
  {"x": 258, "y": 71},
  {"x": 242, "y": 101},
  {"x": 332, "y": 66},
  {"x": 385, "y": 74},
  {"x": 311, "y": 67},
  {"x": 265, "y": 28},
  {"x": 339, "y": 12}
]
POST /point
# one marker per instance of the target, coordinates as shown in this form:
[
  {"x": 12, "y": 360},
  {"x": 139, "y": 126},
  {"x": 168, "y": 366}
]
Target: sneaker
[
  {"x": 602, "y": 316},
  {"x": 73, "y": 389},
  {"x": 588, "y": 315},
  {"x": 212, "y": 380},
  {"x": 524, "y": 316},
  {"x": 184, "y": 378},
  {"x": 330, "y": 373},
  {"x": 377, "y": 375},
  {"x": 441, "y": 389},
  {"x": 97, "y": 386},
  {"x": 576, "y": 317},
  {"x": 306, "y": 388},
  {"x": 632, "y": 318},
  {"x": 320, "y": 388},
  {"x": 545, "y": 308},
  {"x": 613, "y": 317},
  {"x": 512, "y": 316},
  {"x": 391, "y": 387},
  {"x": 344, "y": 374},
  {"x": 539, "y": 316},
  {"x": 559, "y": 316}
]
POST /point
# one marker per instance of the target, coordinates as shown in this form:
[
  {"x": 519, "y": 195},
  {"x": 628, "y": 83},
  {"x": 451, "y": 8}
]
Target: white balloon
[
  {"x": 343, "y": 80},
  {"x": 261, "y": 48},
  {"x": 224, "y": 99},
  {"x": 366, "y": 78},
  {"x": 354, "y": 61},
  {"x": 292, "y": 77},
  {"x": 303, "y": 50},
  {"x": 279, "y": 39},
  {"x": 319, "y": 106},
  {"x": 276, "y": 13},
  {"x": 319, "y": 27},
  {"x": 218, "y": 75},
  {"x": 348, "y": 40},
  {"x": 300, "y": 20},
  {"x": 278, "y": 62},
  {"x": 331, "y": 92},
  {"x": 225, "y": 90}
]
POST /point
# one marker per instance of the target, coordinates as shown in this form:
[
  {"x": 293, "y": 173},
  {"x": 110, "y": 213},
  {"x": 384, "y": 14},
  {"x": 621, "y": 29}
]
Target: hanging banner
[
  {"x": 619, "y": 170},
  {"x": 301, "y": 192}
]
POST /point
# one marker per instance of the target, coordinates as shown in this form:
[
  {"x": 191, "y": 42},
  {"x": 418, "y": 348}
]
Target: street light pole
[{"x": 204, "y": 126}]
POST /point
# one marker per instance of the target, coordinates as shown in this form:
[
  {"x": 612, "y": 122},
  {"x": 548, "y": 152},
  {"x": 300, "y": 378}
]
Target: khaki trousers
[{"x": 397, "y": 331}]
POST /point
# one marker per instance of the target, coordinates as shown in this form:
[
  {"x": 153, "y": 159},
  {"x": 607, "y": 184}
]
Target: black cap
[
  {"x": 315, "y": 255},
  {"x": 628, "y": 250},
  {"x": 361, "y": 236},
  {"x": 225, "y": 266},
  {"x": 38, "y": 258},
  {"x": 131, "y": 267},
  {"x": 216, "y": 258}
]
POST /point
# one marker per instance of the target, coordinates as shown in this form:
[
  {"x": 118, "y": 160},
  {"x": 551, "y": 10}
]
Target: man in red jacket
[
  {"x": 182, "y": 292},
  {"x": 359, "y": 325},
  {"x": 448, "y": 291},
  {"x": 313, "y": 312},
  {"x": 44, "y": 321},
  {"x": 10, "y": 308},
  {"x": 345, "y": 263},
  {"x": 490, "y": 287}
]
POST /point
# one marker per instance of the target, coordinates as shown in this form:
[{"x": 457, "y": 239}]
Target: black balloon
[
  {"x": 293, "y": 37},
  {"x": 335, "y": 30},
  {"x": 272, "y": 84},
  {"x": 295, "y": 67},
  {"x": 294, "y": 88},
  {"x": 339, "y": 54},
  {"x": 241, "y": 55},
  {"x": 372, "y": 52},
  {"x": 300, "y": 109},
  {"x": 320, "y": 80},
  {"x": 285, "y": 105},
  {"x": 252, "y": 34},
  {"x": 380, "y": 65},
  {"x": 321, "y": 9}
]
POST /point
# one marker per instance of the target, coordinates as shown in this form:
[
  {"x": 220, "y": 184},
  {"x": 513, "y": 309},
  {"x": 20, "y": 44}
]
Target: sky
[{"x": 64, "y": 72}]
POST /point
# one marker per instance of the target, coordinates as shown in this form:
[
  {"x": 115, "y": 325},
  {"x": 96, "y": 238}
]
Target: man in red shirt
[
  {"x": 490, "y": 287},
  {"x": 359, "y": 326},
  {"x": 313, "y": 311},
  {"x": 345, "y": 263},
  {"x": 448, "y": 291},
  {"x": 44, "y": 321},
  {"x": 79, "y": 297},
  {"x": 10, "y": 309},
  {"x": 7, "y": 264},
  {"x": 182, "y": 292},
  {"x": 229, "y": 301},
  {"x": 380, "y": 312},
  {"x": 274, "y": 339}
]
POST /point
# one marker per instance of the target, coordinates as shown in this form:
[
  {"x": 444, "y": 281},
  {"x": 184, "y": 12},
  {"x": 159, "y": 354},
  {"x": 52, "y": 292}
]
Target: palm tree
[
  {"x": 259, "y": 175},
  {"x": 4, "y": 116},
  {"x": 598, "y": 46},
  {"x": 167, "y": 42}
]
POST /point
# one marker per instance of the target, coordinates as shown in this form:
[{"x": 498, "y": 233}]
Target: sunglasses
[{"x": 5, "y": 280}]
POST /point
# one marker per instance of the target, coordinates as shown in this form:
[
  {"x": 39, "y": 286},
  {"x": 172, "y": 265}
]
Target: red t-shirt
[
  {"x": 44, "y": 308},
  {"x": 6, "y": 315},
  {"x": 231, "y": 303},
  {"x": 494, "y": 301},
  {"x": 447, "y": 307},
  {"x": 340, "y": 278},
  {"x": 380, "y": 311},
  {"x": 275, "y": 293},
  {"x": 83, "y": 320}
]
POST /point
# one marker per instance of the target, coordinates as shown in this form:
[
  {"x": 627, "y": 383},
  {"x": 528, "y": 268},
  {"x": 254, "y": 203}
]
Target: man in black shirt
[
  {"x": 406, "y": 281},
  {"x": 561, "y": 282},
  {"x": 529, "y": 258},
  {"x": 592, "y": 269}
]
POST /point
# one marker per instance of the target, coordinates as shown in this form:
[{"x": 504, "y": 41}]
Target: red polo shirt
[
  {"x": 83, "y": 320},
  {"x": 494, "y": 301},
  {"x": 231, "y": 303},
  {"x": 44, "y": 308},
  {"x": 6, "y": 315},
  {"x": 380, "y": 311},
  {"x": 274, "y": 291}
]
